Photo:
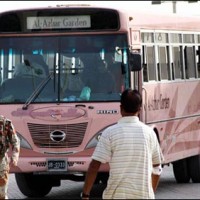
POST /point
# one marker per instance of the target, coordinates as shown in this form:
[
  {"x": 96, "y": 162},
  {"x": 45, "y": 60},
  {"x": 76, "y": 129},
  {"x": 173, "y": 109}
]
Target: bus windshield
[{"x": 82, "y": 68}]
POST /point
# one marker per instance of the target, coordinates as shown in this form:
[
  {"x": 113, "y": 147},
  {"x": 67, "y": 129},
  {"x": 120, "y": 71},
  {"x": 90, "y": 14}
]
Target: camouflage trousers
[{"x": 4, "y": 184}]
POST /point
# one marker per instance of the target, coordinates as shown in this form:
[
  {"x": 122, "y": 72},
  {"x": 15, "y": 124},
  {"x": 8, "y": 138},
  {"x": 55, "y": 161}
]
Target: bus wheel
[
  {"x": 32, "y": 185},
  {"x": 194, "y": 168},
  {"x": 181, "y": 173}
]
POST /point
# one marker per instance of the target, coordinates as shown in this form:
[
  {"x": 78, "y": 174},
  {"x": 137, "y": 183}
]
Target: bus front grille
[{"x": 57, "y": 136}]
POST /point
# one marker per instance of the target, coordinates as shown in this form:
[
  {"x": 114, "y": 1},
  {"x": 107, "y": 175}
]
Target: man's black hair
[{"x": 131, "y": 101}]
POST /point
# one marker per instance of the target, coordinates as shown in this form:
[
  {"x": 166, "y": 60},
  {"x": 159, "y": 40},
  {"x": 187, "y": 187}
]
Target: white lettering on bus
[{"x": 107, "y": 112}]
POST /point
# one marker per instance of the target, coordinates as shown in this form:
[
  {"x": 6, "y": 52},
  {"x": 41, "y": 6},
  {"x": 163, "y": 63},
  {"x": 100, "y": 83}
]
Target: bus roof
[
  {"x": 63, "y": 6},
  {"x": 173, "y": 22},
  {"x": 140, "y": 19}
]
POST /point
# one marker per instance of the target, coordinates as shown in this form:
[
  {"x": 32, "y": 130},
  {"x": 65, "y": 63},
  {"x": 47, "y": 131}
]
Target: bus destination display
[{"x": 59, "y": 22}]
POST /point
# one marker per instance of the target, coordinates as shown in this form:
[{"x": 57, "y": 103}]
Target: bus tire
[
  {"x": 32, "y": 185},
  {"x": 194, "y": 168},
  {"x": 180, "y": 169}
]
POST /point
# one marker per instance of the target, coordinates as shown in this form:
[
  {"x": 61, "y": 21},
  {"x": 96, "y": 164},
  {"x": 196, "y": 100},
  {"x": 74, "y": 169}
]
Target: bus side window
[
  {"x": 190, "y": 64},
  {"x": 144, "y": 65},
  {"x": 151, "y": 63},
  {"x": 177, "y": 62},
  {"x": 198, "y": 60},
  {"x": 164, "y": 63}
]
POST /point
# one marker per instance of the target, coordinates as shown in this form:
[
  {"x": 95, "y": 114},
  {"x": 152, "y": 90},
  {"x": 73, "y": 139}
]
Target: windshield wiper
[{"x": 37, "y": 91}]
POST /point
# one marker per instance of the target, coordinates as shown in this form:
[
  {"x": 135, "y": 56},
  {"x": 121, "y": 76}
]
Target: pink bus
[
  {"x": 62, "y": 72},
  {"x": 170, "y": 79}
]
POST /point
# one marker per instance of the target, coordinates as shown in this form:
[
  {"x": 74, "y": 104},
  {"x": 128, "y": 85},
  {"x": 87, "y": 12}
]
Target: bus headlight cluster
[
  {"x": 23, "y": 142},
  {"x": 93, "y": 142}
]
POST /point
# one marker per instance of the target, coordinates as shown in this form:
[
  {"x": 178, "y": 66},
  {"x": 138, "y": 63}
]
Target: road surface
[{"x": 167, "y": 189}]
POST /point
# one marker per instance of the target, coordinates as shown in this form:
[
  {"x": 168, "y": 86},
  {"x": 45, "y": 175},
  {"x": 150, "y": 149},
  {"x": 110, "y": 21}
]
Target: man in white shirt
[{"x": 132, "y": 150}]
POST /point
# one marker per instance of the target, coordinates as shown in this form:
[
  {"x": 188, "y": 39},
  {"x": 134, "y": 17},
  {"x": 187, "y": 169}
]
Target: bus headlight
[
  {"x": 23, "y": 142},
  {"x": 93, "y": 142}
]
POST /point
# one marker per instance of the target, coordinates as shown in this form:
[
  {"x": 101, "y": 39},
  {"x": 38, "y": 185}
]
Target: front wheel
[
  {"x": 33, "y": 185},
  {"x": 181, "y": 173}
]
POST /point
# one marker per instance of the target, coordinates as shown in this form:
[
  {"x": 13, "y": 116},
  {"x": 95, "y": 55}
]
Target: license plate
[{"x": 57, "y": 165}]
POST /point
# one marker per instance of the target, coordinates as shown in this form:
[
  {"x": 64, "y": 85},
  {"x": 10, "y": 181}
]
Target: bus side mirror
[{"x": 135, "y": 62}]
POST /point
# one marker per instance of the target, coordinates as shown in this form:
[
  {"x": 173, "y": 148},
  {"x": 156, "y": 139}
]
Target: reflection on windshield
[{"x": 85, "y": 68}]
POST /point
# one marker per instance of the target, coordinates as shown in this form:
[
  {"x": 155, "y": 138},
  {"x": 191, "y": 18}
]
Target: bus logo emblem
[{"x": 57, "y": 136}]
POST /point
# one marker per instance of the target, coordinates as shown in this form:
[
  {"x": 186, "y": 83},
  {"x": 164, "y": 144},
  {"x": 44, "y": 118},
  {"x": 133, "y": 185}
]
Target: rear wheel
[
  {"x": 181, "y": 172},
  {"x": 32, "y": 185},
  {"x": 194, "y": 168}
]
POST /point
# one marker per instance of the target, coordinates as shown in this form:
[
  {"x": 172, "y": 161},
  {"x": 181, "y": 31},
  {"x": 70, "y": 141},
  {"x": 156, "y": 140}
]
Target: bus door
[{"x": 136, "y": 76}]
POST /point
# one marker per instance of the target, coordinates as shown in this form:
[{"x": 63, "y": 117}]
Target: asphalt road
[{"x": 167, "y": 189}]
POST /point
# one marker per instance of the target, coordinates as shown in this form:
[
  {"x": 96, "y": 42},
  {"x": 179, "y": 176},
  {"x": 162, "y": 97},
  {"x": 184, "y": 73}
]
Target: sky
[{"x": 182, "y": 7}]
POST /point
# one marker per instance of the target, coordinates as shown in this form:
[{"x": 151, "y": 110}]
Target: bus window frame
[{"x": 194, "y": 43}]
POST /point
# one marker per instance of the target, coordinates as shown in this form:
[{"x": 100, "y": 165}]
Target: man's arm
[
  {"x": 157, "y": 170},
  {"x": 155, "y": 181},
  {"x": 91, "y": 176}
]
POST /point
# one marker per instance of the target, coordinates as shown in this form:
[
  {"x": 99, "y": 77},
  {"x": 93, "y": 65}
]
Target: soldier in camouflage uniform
[{"x": 8, "y": 137}]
